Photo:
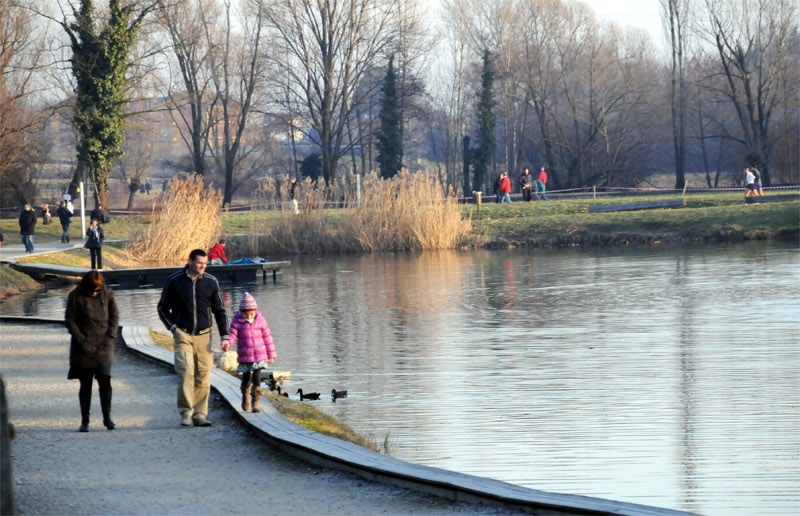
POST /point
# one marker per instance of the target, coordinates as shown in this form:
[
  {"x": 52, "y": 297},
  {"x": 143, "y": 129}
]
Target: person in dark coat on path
[
  {"x": 92, "y": 320},
  {"x": 27, "y": 221},
  {"x": 94, "y": 243},
  {"x": 65, "y": 217}
]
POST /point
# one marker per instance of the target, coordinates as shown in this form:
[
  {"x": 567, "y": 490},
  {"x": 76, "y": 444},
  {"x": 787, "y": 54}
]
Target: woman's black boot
[
  {"x": 105, "y": 401},
  {"x": 84, "y": 426}
]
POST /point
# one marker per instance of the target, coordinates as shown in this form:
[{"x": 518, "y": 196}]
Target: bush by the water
[
  {"x": 189, "y": 219},
  {"x": 408, "y": 212}
]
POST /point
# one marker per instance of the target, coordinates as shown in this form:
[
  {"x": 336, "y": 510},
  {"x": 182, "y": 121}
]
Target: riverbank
[{"x": 705, "y": 218}]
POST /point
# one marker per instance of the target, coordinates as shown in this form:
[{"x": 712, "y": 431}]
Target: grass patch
[
  {"x": 114, "y": 257},
  {"x": 120, "y": 227},
  {"x": 14, "y": 282},
  {"x": 707, "y": 217},
  {"x": 308, "y": 416}
]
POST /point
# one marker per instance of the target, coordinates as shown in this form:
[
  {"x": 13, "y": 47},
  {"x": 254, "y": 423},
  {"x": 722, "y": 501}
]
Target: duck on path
[{"x": 313, "y": 396}]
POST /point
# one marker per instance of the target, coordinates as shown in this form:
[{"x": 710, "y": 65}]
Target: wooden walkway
[{"x": 156, "y": 276}]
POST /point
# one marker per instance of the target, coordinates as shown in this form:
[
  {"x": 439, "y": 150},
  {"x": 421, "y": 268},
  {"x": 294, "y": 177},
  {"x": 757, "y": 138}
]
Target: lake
[{"x": 666, "y": 376}]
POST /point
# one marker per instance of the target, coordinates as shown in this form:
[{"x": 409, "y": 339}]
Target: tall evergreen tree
[
  {"x": 390, "y": 134},
  {"x": 100, "y": 61},
  {"x": 486, "y": 140}
]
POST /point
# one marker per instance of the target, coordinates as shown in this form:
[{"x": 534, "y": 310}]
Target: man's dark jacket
[
  {"x": 181, "y": 294},
  {"x": 27, "y": 221}
]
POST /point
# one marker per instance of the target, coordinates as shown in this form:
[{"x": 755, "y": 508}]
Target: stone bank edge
[{"x": 295, "y": 440}]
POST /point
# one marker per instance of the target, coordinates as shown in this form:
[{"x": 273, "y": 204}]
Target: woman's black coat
[{"x": 92, "y": 322}]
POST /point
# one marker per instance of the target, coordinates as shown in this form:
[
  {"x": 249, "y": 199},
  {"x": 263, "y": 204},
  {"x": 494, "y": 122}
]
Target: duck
[
  {"x": 285, "y": 394},
  {"x": 313, "y": 396},
  {"x": 338, "y": 394},
  {"x": 272, "y": 383}
]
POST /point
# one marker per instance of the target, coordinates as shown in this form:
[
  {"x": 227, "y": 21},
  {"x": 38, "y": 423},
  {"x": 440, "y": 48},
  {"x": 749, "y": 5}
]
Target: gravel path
[{"x": 151, "y": 465}]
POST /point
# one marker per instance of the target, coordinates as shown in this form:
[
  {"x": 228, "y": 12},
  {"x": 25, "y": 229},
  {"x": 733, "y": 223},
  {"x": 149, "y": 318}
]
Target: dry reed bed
[
  {"x": 190, "y": 219},
  {"x": 408, "y": 212}
]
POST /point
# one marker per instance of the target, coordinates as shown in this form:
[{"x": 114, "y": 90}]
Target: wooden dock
[
  {"x": 156, "y": 276},
  {"x": 772, "y": 198}
]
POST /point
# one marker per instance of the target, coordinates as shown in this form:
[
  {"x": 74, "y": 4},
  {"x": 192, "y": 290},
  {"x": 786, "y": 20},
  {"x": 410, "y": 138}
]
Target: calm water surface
[{"x": 663, "y": 376}]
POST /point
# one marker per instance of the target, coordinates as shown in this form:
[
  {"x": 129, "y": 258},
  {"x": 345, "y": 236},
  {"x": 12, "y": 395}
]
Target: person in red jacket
[
  {"x": 505, "y": 189},
  {"x": 542, "y": 184},
  {"x": 216, "y": 255}
]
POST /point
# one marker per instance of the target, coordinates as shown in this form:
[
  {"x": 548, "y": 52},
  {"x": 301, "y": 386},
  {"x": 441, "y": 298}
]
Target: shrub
[
  {"x": 190, "y": 219},
  {"x": 407, "y": 212}
]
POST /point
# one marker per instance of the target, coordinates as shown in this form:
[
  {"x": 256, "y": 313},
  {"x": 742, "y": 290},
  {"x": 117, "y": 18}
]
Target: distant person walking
[
  {"x": 65, "y": 217},
  {"x": 293, "y": 196},
  {"x": 216, "y": 254},
  {"x": 92, "y": 320},
  {"x": 255, "y": 349},
  {"x": 750, "y": 182},
  {"x": 187, "y": 302},
  {"x": 27, "y": 223},
  {"x": 541, "y": 183},
  {"x": 94, "y": 243},
  {"x": 505, "y": 188},
  {"x": 526, "y": 184},
  {"x": 498, "y": 183}
]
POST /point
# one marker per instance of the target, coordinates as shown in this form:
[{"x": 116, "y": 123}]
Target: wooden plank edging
[{"x": 271, "y": 426}]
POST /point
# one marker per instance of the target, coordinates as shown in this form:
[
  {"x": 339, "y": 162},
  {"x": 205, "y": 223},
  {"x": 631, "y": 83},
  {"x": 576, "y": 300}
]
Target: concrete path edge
[{"x": 292, "y": 439}]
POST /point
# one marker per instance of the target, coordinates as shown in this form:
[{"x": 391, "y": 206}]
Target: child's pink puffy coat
[{"x": 255, "y": 339}]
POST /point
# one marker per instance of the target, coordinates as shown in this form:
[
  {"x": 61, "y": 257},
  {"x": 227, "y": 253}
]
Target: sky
[{"x": 643, "y": 14}]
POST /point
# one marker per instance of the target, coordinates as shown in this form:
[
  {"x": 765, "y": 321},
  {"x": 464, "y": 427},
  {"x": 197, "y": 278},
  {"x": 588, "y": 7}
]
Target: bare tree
[
  {"x": 755, "y": 43},
  {"x": 21, "y": 56},
  {"x": 185, "y": 22},
  {"x": 676, "y": 15},
  {"x": 238, "y": 70},
  {"x": 330, "y": 45}
]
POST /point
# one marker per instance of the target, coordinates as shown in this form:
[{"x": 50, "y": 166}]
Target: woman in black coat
[
  {"x": 94, "y": 243},
  {"x": 92, "y": 319}
]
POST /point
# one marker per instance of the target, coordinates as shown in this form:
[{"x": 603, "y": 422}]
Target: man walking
[
  {"x": 505, "y": 188},
  {"x": 27, "y": 221},
  {"x": 542, "y": 184},
  {"x": 185, "y": 307}
]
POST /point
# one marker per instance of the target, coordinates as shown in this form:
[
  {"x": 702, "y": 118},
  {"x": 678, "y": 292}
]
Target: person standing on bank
[
  {"x": 65, "y": 217},
  {"x": 185, "y": 307},
  {"x": 27, "y": 223},
  {"x": 92, "y": 320},
  {"x": 94, "y": 243},
  {"x": 293, "y": 196},
  {"x": 526, "y": 183},
  {"x": 255, "y": 349}
]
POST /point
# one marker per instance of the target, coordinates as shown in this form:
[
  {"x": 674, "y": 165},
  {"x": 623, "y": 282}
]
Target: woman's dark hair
[{"x": 91, "y": 281}]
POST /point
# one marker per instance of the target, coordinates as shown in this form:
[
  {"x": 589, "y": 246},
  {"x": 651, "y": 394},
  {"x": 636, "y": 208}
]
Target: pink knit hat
[{"x": 247, "y": 303}]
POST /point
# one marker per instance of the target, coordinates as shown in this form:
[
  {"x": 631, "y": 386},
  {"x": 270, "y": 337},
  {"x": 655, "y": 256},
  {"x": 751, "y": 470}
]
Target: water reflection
[{"x": 665, "y": 376}]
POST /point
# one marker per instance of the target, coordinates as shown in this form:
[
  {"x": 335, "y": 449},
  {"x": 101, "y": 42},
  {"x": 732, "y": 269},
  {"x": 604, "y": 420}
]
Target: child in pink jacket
[{"x": 255, "y": 349}]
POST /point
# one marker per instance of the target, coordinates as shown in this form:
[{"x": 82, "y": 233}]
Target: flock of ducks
[{"x": 275, "y": 385}]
